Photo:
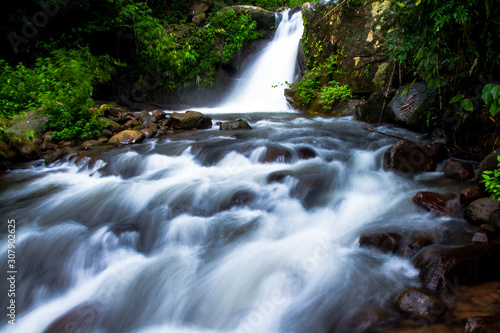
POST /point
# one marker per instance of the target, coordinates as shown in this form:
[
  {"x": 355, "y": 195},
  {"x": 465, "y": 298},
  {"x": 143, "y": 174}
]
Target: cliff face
[{"x": 344, "y": 33}]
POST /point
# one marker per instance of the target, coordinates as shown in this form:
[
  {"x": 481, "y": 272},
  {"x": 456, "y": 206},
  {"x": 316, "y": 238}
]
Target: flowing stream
[{"x": 211, "y": 231}]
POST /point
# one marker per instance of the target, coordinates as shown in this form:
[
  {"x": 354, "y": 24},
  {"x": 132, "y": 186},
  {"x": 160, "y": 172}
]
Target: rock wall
[{"x": 345, "y": 31}]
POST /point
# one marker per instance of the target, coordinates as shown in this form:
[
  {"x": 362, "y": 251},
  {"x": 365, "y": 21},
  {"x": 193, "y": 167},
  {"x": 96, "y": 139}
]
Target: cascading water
[
  {"x": 261, "y": 88},
  {"x": 210, "y": 231}
]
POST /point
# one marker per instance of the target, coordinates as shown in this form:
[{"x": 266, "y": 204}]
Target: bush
[
  {"x": 492, "y": 181},
  {"x": 334, "y": 93},
  {"x": 62, "y": 86}
]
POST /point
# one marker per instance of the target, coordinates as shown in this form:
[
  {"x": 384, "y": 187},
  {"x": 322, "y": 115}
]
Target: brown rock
[
  {"x": 126, "y": 137},
  {"x": 107, "y": 133},
  {"x": 410, "y": 246},
  {"x": 91, "y": 143},
  {"x": 410, "y": 157},
  {"x": 470, "y": 194},
  {"x": 47, "y": 137},
  {"x": 478, "y": 212},
  {"x": 275, "y": 154},
  {"x": 112, "y": 126},
  {"x": 385, "y": 242},
  {"x": 418, "y": 304},
  {"x": 159, "y": 115},
  {"x": 305, "y": 153},
  {"x": 445, "y": 266},
  {"x": 57, "y": 155},
  {"x": 190, "y": 120},
  {"x": 242, "y": 198},
  {"x": 82, "y": 318},
  {"x": 489, "y": 324},
  {"x": 433, "y": 201},
  {"x": 131, "y": 124},
  {"x": 480, "y": 237},
  {"x": 8, "y": 153},
  {"x": 48, "y": 146},
  {"x": 26, "y": 149},
  {"x": 235, "y": 125},
  {"x": 146, "y": 119},
  {"x": 458, "y": 170}
]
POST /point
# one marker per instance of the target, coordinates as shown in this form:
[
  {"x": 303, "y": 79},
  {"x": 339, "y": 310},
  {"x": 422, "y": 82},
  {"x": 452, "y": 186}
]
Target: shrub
[
  {"x": 492, "y": 181},
  {"x": 334, "y": 93}
]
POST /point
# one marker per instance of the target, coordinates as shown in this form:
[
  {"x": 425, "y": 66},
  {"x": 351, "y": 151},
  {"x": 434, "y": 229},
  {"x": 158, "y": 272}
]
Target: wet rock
[
  {"x": 410, "y": 246},
  {"x": 489, "y": 163},
  {"x": 91, "y": 143},
  {"x": 275, "y": 153},
  {"x": 489, "y": 324},
  {"x": 112, "y": 126},
  {"x": 7, "y": 152},
  {"x": 118, "y": 229},
  {"x": 481, "y": 300},
  {"x": 126, "y": 137},
  {"x": 234, "y": 125},
  {"x": 433, "y": 201},
  {"x": 418, "y": 304},
  {"x": 159, "y": 115},
  {"x": 444, "y": 266},
  {"x": 190, "y": 120},
  {"x": 130, "y": 124},
  {"x": 47, "y": 137},
  {"x": 56, "y": 156},
  {"x": 305, "y": 153},
  {"x": 409, "y": 108},
  {"x": 242, "y": 198},
  {"x": 410, "y": 156},
  {"x": 480, "y": 237},
  {"x": 370, "y": 110},
  {"x": 494, "y": 219},
  {"x": 458, "y": 170},
  {"x": 146, "y": 119},
  {"x": 478, "y": 212},
  {"x": 107, "y": 133},
  {"x": 385, "y": 242},
  {"x": 82, "y": 318},
  {"x": 470, "y": 194},
  {"x": 27, "y": 150},
  {"x": 278, "y": 176},
  {"x": 364, "y": 321},
  {"x": 312, "y": 190},
  {"x": 149, "y": 131},
  {"x": 48, "y": 146},
  {"x": 69, "y": 143}
]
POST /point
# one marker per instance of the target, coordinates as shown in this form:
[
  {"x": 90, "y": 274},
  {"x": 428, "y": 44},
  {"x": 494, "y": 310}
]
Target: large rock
[
  {"x": 347, "y": 34},
  {"x": 112, "y": 125},
  {"x": 469, "y": 195},
  {"x": 6, "y": 152},
  {"x": 489, "y": 163},
  {"x": 82, "y": 318},
  {"x": 433, "y": 201},
  {"x": 127, "y": 137},
  {"x": 26, "y": 149},
  {"x": 458, "y": 169},
  {"x": 385, "y": 242},
  {"x": 265, "y": 19},
  {"x": 410, "y": 108},
  {"x": 275, "y": 153},
  {"x": 478, "y": 212},
  {"x": 31, "y": 122},
  {"x": 234, "y": 125},
  {"x": 146, "y": 119},
  {"x": 418, "y": 304},
  {"x": 411, "y": 156},
  {"x": 490, "y": 324},
  {"x": 448, "y": 266},
  {"x": 190, "y": 120},
  {"x": 370, "y": 111}
]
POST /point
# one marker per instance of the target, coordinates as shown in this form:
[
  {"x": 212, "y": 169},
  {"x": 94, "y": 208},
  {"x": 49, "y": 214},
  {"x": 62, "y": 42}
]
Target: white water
[{"x": 261, "y": 87}]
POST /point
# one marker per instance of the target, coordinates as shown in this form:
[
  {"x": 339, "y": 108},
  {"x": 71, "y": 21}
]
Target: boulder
[
  {"x": 199, "y": 19},
  {"x": 433, "y": 201},
  {"x": 234, "y": 125},
  {"x": 91, "y": 143},
  {"x": 478, "y": 212},
  {"x": 370, "y": 110},
  {"x": 158, "y": 114},
  {"x": 480, "y": 237},
  {"x": 494, "y": 219},
  {"x": 470, "y": 194},
  {"x": 347, "y": 36},
  {"x": 145, "y": 119},
  {"x": 150, "y": 131},
  {"x": 82, "y": 318},
  {"x": 490, "y": 324},
  {"x": 385, "y": 242},
  {"x": 442, "y": 267},
  {"x": 190, "y": 120},
  {"x": 411, "y": 156},
  {"x": 47, "y": 137},
  {"x": 126, "y": 137},
  {"x": 6, "y": 152},
  {"x": 419, "y": 304},
  {"x": 27, "y": 150},
  {"x": 243, "y": 197},
  {"x": 56, "y": 156},
  {"x": 31, "y": 122},
  {"x": 112, "y": 125},
  {"x": 409, "y": 246},
  {"x": 130, "y": 124},
  {"x": 458, "y": 170},
  {"x": 265, "y": 19},
  {"x": 278, "y": 176},
  {"x": 305, "y": 153},
  {"x": 490, "y": 163},
  {"x": 118, "y": 229},
  {"x": 410, "y": 108},
  {"x": 275, "y": 153}
]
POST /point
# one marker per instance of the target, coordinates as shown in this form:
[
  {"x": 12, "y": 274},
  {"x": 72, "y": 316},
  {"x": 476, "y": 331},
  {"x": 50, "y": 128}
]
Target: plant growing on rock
[
  {"x": 333, "y": 93},
  {"x": 492, "y": 181}
]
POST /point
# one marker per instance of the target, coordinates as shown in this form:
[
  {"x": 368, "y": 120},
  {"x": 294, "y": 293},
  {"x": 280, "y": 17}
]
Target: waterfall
[{"x": 261, "y": 87}]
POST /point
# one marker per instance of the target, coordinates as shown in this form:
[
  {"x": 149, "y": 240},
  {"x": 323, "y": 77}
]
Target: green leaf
[
  {"x": 467, "y": 105},
  {"x": 494, "y": 109},
  {"x": 457, "y": 98}
]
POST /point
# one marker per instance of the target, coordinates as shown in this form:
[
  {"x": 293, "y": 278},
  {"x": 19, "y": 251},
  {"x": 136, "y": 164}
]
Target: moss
[{"x": 381, "y": 75}]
